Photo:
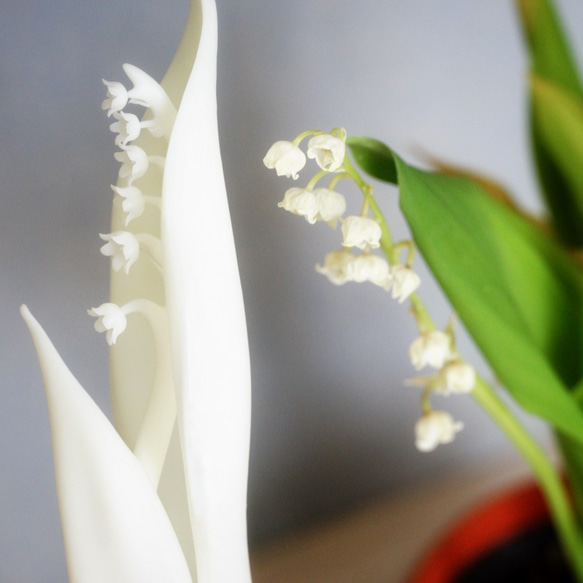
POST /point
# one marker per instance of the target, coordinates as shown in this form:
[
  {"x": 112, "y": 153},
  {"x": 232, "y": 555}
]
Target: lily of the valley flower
[
  {"x": 135, "y": 162},
  {"x": 405, "y": 282},
  {"x": 455, "y": 378},
  {"x": 335, "y": 266},
  {"x": 117, "y": 97},
  {"x": 368, "y": 267},
  {"x": 189, "y": 330},
  {"x": 435, "y": 428},
  {"x": 361, "y": 232},
  {"x": 431, "y": 349},
  {"x": 331, "y": 205},
  {"x": 286, "y": 158},
  {"x": 300, "y": 201},
  {"x": 123, "y": 247},
  {"x": 328, "y": 151}
]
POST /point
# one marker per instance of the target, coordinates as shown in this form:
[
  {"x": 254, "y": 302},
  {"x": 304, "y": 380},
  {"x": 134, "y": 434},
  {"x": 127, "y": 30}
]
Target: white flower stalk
[
  {"x": 167, "y": 510},
  {"x": 328, "y": 151},
  {"x": 455, "y": 378},
  {"x": 361, "y": 232},
  {"x": 286, "y": 158},
  {"x": 302, "y": 202},
  {"x": 405, "y": 282},
  {"x": 335, "y": 267},
  {"x": 431, "y": 349},
  {"x": 435, "y": 428},
  {"x": 331, "y": 205}
]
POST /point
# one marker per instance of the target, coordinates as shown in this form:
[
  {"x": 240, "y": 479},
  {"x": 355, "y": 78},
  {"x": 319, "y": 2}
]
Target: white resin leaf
[{"x": 114, "y": 525}]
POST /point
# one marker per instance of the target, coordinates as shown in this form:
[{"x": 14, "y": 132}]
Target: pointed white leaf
[{"x": 114, "y": 525}]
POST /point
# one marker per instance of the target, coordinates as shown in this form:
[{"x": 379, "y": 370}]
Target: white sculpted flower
[
  {"x": 361, "y": 232},
  {"x": 117, "y": 97},
  {"x": 405, "y": 282},
  {"x": 123, "y": 248},
  {"x": 111, "y": 319},
  {"x": 371, "y": 268},
  {"x": 431, "y": 348},
  {"x": 127, "y": 127},
  {"x": 455, "y": 377},
  {"x": 133, "y": 203},
  {"x": 300, "y": 201},
  {"x": 335, "y": 268},
  {"x": 328, "y": 151},
  {"x": 331, "y": 205},
  {"x": 286, "y": 158},
  {"x": 134, "y": 162},
  {"x": 435, "y": 428}
]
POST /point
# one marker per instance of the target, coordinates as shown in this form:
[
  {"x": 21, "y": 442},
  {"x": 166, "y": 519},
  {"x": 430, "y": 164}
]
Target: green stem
[{"x": 553, "y": 489}]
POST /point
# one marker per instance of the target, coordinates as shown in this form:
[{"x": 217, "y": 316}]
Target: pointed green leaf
[
  {"x": 516, "y": 291},
  {"x": 373, "y": 157}
]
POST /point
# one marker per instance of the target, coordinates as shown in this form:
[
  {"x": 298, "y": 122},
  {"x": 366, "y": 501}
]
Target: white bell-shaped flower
[
  {"x": 431, "y": 348},
  {"x": 361, "y": 232},
  {"x": 336, "y": 265},
  {"x": 123, "y": 247},
  {"x": 286, "y": 158},
  {"x": 134, "y": 162},
  {"x": 328, "y": 151},
  {"x": 435, "y": 428},
  {"x": 117, "y": 97},
  {"x": 371, "y": 268},
  {"x": 405, "y": 282},
  {"x": 455, "y": 378},
  {"x": 300, "y": 201},
  {"x": 331, "y": 205},
  {"x": 111, "y": 319},
  {"x": 133, "y": 203},
  {"x": 127, "y": 127}
]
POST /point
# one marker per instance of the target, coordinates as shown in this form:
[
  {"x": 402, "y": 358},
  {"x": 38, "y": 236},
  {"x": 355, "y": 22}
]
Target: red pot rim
[{"x": 482, "y": 530}]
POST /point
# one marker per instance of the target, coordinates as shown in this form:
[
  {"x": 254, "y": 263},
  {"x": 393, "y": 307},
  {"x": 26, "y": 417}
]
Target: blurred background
[{"x": 332, "y": 420}]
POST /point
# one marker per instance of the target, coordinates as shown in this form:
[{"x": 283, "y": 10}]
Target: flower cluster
[
  {"x": 123, "y": 246},
  {"x": 357, "y": 261}
]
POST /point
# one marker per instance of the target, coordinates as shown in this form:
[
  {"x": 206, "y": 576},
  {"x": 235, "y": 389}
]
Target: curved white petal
[
  {"x": 207, "y": 325},
  {"x": 114, "y": 525}
]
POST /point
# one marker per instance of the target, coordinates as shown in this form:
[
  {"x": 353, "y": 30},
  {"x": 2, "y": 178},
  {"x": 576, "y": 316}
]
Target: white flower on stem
[
  {"x": 123, "y": 247},
  {"x": 286, "y": 158},
  {"x": 134, "y": 202},
  {"x": 134, "y": 162},
  {"x": 111, "y": 319},
  {"x": 300, "y": 201},
  {"x": 455, "y": 378},
  {"x": 361, "y": 232},
  {"x": 431, "y": 348},
  {"x": 328, "y": 151},
  {"x": 405, "y": 282},
  {"x": 367, "y": 267},
  {"x": 331, "y": 205},
  {"x": 117, "y": 97},
  {"x": 336, "y": 265},
  {"x": 435, "y": 428},
  {"x": 127, "y": 127}
]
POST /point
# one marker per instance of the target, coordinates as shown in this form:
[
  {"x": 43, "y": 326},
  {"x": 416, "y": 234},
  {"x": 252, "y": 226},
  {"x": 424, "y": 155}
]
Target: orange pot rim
[{"x": 482, "y": 530}]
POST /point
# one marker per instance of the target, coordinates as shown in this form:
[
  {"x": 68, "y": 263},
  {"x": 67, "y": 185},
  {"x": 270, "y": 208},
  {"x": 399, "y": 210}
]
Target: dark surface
[{"x": 531, "y": 557}]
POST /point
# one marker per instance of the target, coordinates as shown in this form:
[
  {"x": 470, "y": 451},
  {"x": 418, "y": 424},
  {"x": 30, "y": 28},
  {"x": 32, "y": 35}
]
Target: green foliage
[{"x": 373, "y": 157}]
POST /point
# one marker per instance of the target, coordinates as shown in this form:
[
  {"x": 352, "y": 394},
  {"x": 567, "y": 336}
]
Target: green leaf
[
  {"x": 515, "y": 290},
  {"x": 373, "y": 157},
  {"x": 558, "y": 118}
]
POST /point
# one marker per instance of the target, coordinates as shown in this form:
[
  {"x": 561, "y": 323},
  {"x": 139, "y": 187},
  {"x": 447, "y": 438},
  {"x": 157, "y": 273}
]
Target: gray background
[{"x": 332, "y": 421}]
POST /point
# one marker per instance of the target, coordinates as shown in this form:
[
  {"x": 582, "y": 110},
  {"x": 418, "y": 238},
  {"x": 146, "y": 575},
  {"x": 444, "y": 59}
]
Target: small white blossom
[
  {"x": 110, "y": 319},
  {"x": 405, "y": 282},
  {"x": 300, "y": 201},
  {"x": 371, "y": 268},
  {"x": 127, "y": 127},
  {"x": 331, "y": 205},
  {"x": 431, "y": 348},
  {"x": 123, "y": 248},
  {"x": 435, "y": 428},
  {"x": 328, "y": 151},
  {"x": 361, "y": 232},
  {"x": 455, "y": 377},
  {"x": 286, "y": 158},
  {"x": 134, "y": 162},
  {"x": 133, "y": 203},
  {"x": 117, "y": 97},
  {"x": 335, "y": 266}
]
